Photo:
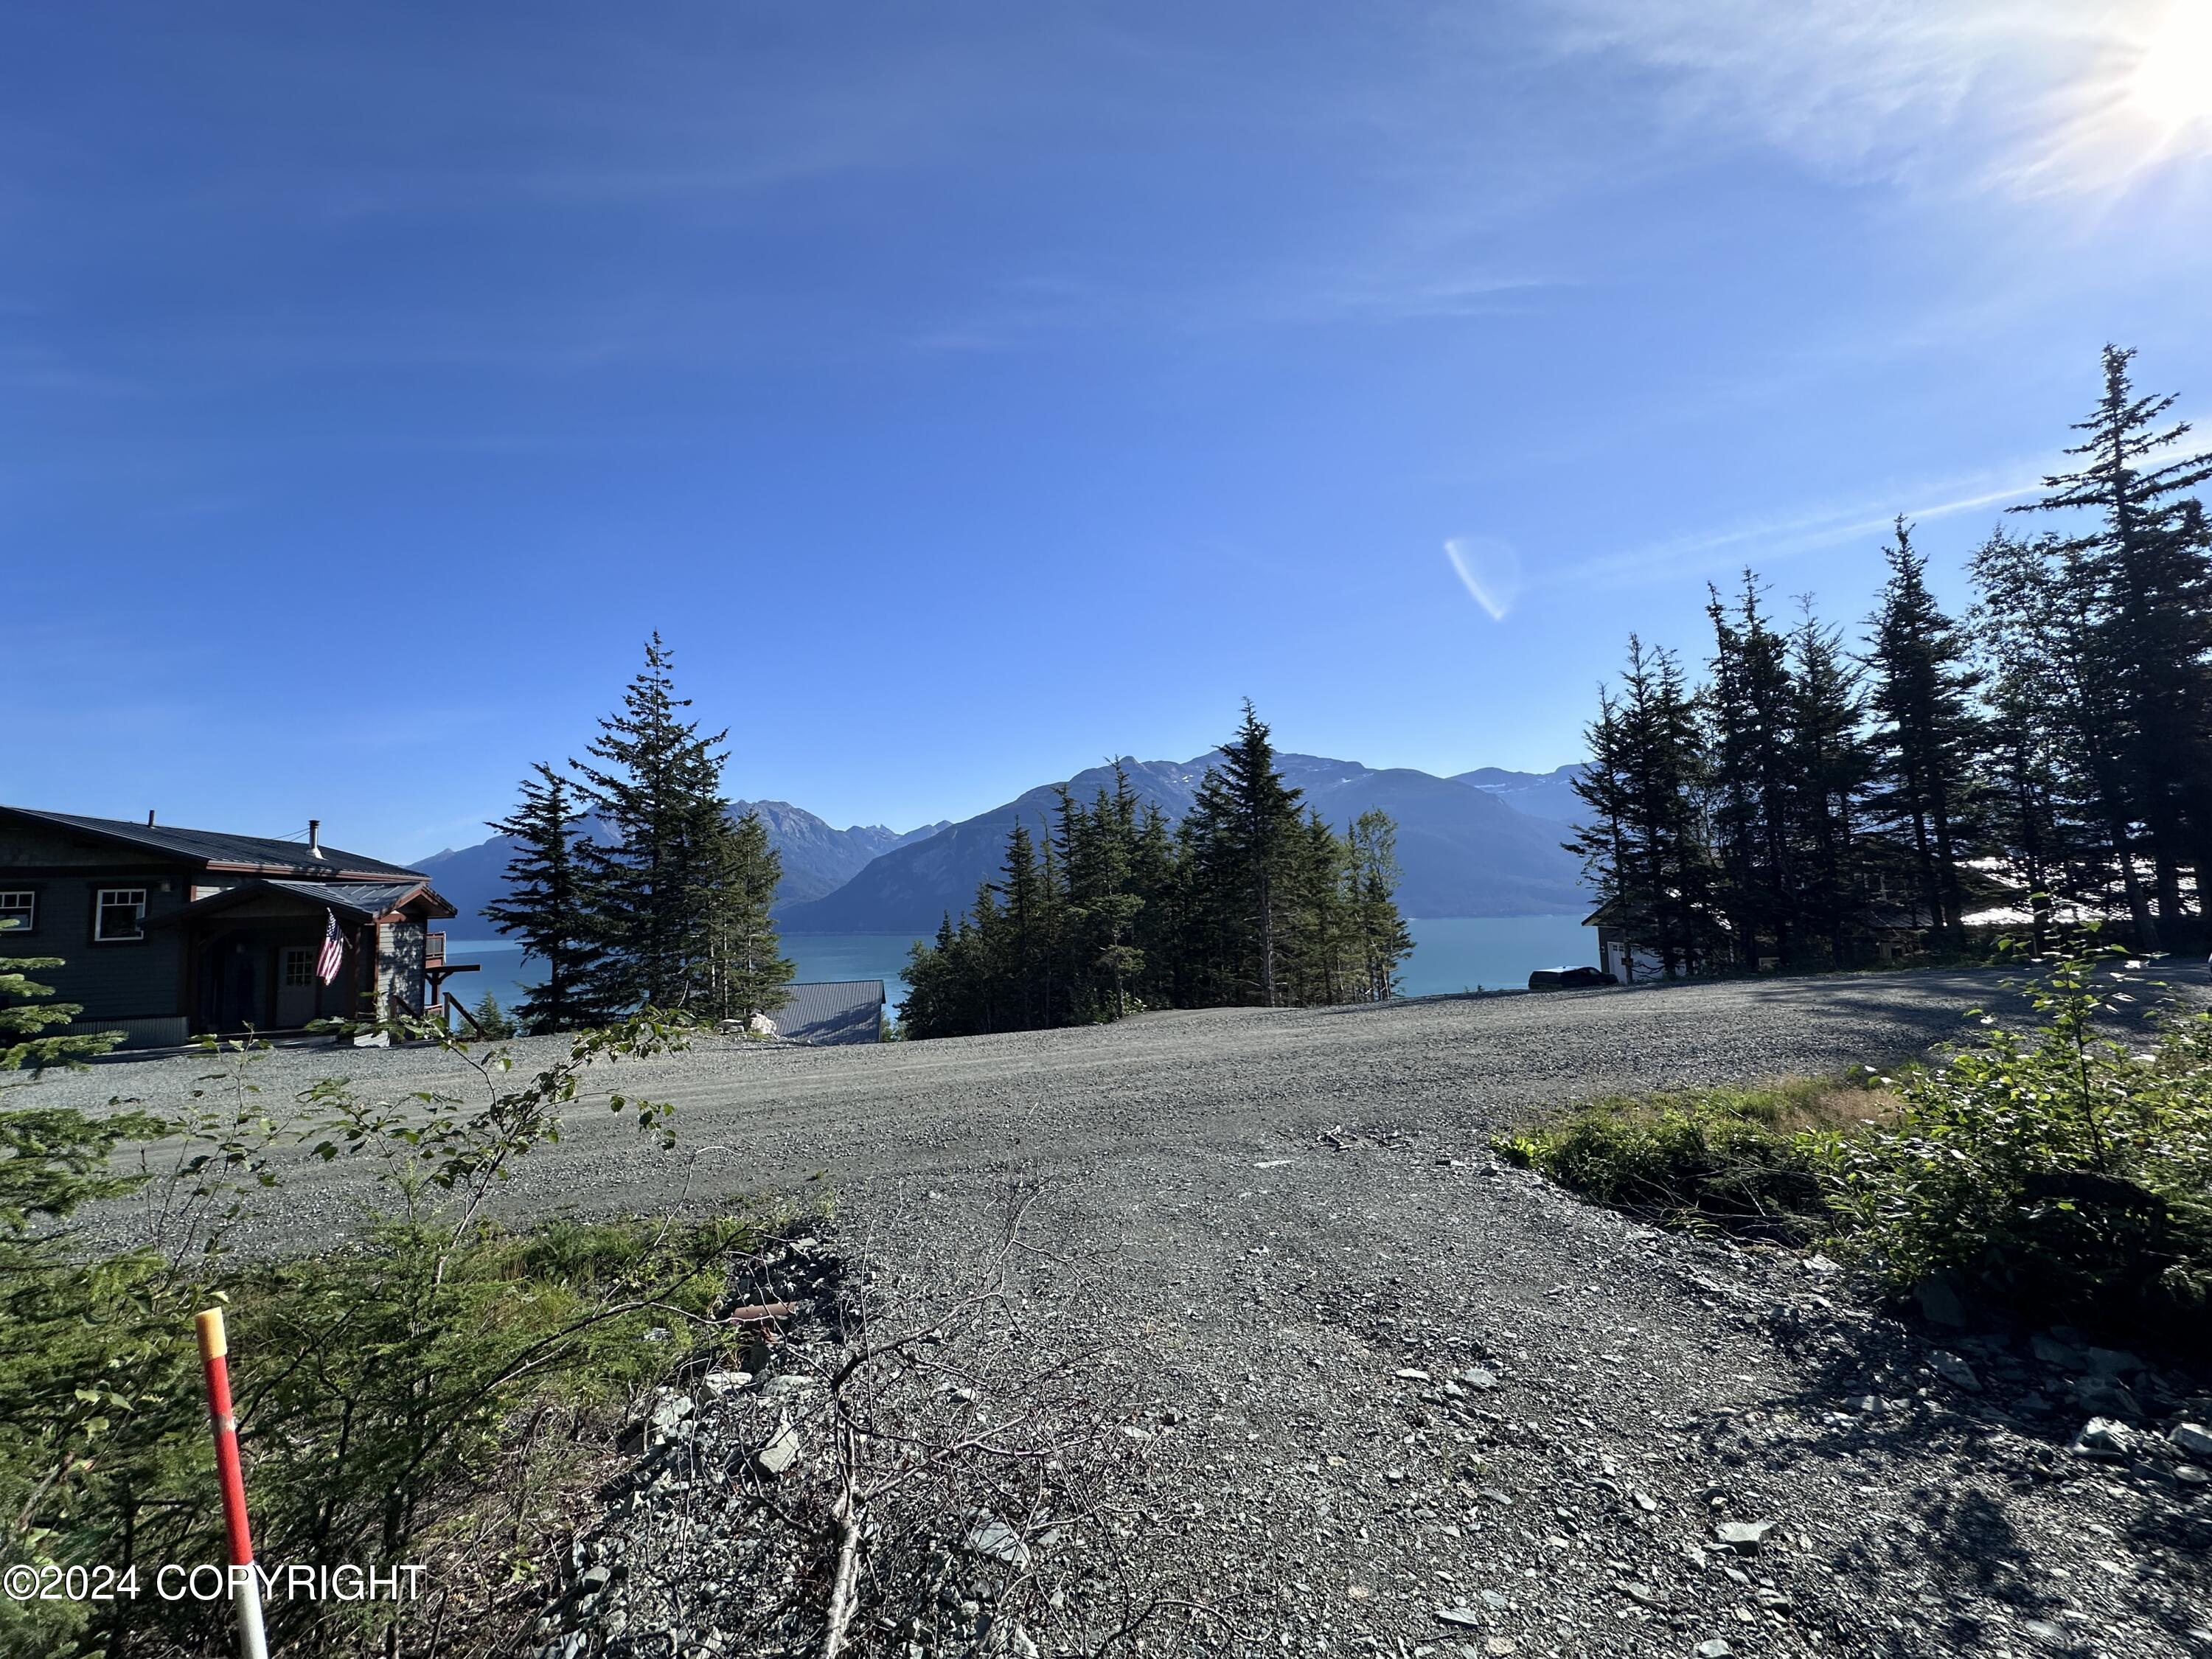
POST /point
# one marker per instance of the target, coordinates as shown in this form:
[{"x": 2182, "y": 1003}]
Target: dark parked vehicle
[{"x": 1569, "y": 979}]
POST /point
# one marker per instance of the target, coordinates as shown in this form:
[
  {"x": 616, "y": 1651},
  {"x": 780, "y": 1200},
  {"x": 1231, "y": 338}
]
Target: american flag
[{"x": 333, "y": 956}]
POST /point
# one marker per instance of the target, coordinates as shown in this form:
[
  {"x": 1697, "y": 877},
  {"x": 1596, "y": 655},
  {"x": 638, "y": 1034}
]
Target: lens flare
[{"x": 2172, "y": 80}]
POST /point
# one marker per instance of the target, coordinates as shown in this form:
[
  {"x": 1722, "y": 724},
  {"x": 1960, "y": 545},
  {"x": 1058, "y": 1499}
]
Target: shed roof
[
  {"x": 833, "y": 1010},
  {"x": 259, "y": 854}
]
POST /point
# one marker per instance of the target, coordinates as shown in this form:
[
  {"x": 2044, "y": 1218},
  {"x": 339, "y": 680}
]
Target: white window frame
[
  {"x": 21, "y": 903},
  {"x": 107, "y": 898},
  {"x": 301, "y": 956}
]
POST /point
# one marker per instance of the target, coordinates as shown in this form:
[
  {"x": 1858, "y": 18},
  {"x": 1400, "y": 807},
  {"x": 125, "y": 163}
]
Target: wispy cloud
[
  {"x": 2026, "y": 96},
  {"x": 1773, "y": 539}
]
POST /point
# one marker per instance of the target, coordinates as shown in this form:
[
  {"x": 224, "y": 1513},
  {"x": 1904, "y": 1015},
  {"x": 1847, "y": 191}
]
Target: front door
[{"x": 296, "y": 986}]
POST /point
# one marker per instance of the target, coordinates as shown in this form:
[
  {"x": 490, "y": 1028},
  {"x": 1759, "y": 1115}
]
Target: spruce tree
[
  {"x": 1668, "y": 837},
  {"x": 1927, "y": 741},
  {"x": 1158, "y": 929},
  {"x": 1109, "y": 908},
  {"x": 1023, "y": 909},
  {"x": 1600, "y": 831},
  {"x": 1317, "y": 904},
  {"x": 1749, "y": 704},
  {"x": 547, "y": 905},
  {"x": 1096, "y": 848},
  {"x": 1246, "y": 832},
  {"x": 747, "y": 970},
  {"x": 657, "y": 786},
  {"x": 930, "y": 986},
  {"x": 1829, "y": 768},
  {"x": 2145, "y": 566},
  {"x": 1382, "y": 941},
  {"x": 2057, "y": 799},
  {"x": 1644, "y": 843}
]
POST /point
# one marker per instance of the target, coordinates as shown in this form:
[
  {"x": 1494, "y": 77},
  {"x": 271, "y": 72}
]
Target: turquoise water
[
  {"x": 818, "y": 957},
  {"x": 1468, "y": 953},
  {"x": 1452, "y": 953}
]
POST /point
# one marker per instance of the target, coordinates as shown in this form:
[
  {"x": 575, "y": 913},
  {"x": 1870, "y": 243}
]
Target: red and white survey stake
[{"x": 244, "y": 1588}]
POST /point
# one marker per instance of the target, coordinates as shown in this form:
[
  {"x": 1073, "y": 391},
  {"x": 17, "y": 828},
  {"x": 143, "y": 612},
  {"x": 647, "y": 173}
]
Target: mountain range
[
  {"x": 1484, "y": 843},
  {"x": 1466, "y": 851},
  {"x": 1539, "y": 795},
  {"x": 818, "y": 859}
]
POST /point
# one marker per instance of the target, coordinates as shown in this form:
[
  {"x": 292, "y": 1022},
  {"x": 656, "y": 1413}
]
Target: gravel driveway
[
  {"x": 1312, "y": 1241},
  {"x": 756, "y": 1117}
]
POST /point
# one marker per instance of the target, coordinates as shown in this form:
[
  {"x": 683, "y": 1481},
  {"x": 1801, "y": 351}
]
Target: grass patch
[{"x": 1746, "y": 1161}]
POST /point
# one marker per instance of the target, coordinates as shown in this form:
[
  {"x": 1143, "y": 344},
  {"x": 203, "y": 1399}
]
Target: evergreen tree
[
  {"x": 1926, "y": 741},
  {"x": 2146, "y": 569},
  {"x": 547, "y": 905},
  {"x": 1246, "y": 827},
  {"x": 1749, "y": 704},
  {"x": 1158, "y": 928},
  {"x": 1669, "y": 840},
  {"x": 1381, "y": 939},
  {"x": 747, "y": 970},
  {"x": 1023, "y": 935},
  {"x": 1318, "y": 945},
  {"x": 657, "y": 786},
  {"x": 1111, "y": 908},
  {"x": 1829, "y": 768},
  {"x": 2055, "y": 800},
  {"x": 1097, "y": 848},
  {"x": 1646, "y": 846},
  {"x": 932, "y": 987},
  {"x": 1600, "y": 836}
]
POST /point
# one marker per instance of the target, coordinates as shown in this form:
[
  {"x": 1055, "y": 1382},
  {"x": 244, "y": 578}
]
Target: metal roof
[
  {"x": 261, "y": 854},
  {"x": 833, "y": 1010},
  {"x": 366, "y": 898},
  {"x": 358, "y": 900}
]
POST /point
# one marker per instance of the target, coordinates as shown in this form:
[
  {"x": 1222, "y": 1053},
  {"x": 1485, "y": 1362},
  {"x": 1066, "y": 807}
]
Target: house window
[
  {"x": 299, "y": 967},
  {"x": 120, "y": 914},
  {"x": 18, "y": 911}
]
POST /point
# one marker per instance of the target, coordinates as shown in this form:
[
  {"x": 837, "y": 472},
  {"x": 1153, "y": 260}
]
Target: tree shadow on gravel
[{"x": 1960, "y": 1542}]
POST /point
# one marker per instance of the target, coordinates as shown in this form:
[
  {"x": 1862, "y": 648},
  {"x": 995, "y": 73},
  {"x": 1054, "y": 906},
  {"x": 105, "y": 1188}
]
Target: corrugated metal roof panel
[
  {"x": 833, "y": 1010},
  {"x": 366, "y": 898}
]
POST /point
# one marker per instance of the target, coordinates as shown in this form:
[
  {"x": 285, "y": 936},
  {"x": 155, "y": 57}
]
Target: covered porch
[{"x": 252, "y": 955}]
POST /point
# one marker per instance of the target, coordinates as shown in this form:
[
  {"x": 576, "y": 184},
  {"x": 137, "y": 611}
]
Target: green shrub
[
  {"x": 2058, "y": 1171},
  {"x": 2062, "y": 1171},
  {"x": 1745, "y": 1160},
  {"x": 389, "y": 1392}
]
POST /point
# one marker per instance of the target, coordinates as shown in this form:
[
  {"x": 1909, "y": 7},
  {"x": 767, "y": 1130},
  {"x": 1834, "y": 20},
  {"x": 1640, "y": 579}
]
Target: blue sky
[{"x": 972, "y": 392}]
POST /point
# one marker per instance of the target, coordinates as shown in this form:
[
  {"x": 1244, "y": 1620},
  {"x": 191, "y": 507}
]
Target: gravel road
[
  {"x": 757, "y": 1117},
  {"x": 1310, "y": 1241}
]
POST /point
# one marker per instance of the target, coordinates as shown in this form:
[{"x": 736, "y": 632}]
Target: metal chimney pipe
[
  {"x": 149, "y": 817},
  {"x": 314, "y": 838}
]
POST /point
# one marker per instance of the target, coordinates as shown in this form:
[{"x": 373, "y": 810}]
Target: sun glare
[{"x": 2173, "y": 83}]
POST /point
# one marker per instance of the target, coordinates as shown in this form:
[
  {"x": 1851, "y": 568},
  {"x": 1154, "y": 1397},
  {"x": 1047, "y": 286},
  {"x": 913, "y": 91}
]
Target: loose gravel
[
  {"x": 1395, "y": 1398},
  {"x": 761, "y": 1117}
]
